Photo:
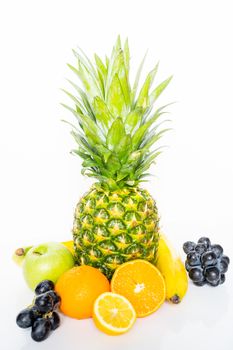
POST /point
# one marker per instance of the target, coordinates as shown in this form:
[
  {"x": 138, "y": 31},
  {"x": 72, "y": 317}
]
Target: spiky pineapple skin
[{"x": 115, "y": 226}]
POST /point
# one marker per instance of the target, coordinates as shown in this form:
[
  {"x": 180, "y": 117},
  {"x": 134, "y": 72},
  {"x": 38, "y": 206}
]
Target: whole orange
[{"x": 78, "y": 288}]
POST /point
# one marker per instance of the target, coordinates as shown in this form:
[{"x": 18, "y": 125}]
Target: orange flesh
[{"x": 142, "y": 284}]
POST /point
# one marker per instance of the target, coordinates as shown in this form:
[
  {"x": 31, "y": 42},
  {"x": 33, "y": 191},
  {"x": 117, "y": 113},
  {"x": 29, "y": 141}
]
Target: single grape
[
  {"x": 25, "y": 318},
  {"x": 222, "y": 278},
  {"x": 196, "y": 274},
  {"x": 200, "y": 248},
  {"x": 205, "y": 241},
  {"x": 36, "y": 312},
  {"x": 54, "y": 320},
  {"x": 217, "y": 249},
  {"x": 187, "y": 266},
  {"x": 193, "y": 259},
  {"x": 55, "y": 297},
  {"x": 200, "y": 284},
  {"x": 44, "y": 286},
  {"x": 40, "y": 329},
  {"x": 212, "y": 274},
  {"x": 214, "y": 283},
  {"x": 44, "y": 302},
  {"x": 188, "y": 247},
  {"x": 223, "y": 266},
  {"x": 226, "y": 259},
  {"x": 208, "y": 258}
]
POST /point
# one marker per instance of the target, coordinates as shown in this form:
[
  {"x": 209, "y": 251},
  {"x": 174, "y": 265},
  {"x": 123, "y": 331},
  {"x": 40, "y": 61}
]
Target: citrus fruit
[
  {"x": 142, "y": 284},
  {"x": 113, "y": 313},
  {"x": 78, "y": 288}
]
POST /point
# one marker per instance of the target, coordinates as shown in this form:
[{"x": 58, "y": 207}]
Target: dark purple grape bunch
[
  {"x": 205, "y": 262},
  {"x": 41, "y": 315}
]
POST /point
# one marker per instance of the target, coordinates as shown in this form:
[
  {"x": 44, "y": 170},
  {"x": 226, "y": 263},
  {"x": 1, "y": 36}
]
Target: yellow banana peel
[
  {"x": 173, "y": 271},
  {"x": 69, "y": 245}
]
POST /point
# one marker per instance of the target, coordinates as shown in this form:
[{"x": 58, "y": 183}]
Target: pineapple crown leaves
[{"x": 116, "y": 124}]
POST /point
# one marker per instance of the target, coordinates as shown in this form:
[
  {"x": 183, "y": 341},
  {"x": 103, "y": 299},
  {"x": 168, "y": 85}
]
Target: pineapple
[{"x": 116, "y": 130}]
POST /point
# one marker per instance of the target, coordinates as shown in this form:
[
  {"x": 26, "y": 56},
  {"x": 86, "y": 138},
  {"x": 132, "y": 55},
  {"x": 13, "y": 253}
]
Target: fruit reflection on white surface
[{"x": 198, "y": 314}]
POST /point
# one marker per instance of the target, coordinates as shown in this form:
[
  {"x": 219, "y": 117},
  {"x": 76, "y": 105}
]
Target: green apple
[{"x": 46, "y": 261}]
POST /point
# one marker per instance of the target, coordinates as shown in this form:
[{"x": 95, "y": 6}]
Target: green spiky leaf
[
  {"x": 115, "y": 97},
  {"x": 127, "y": 57},
  {"x": 137, "y": 78},
  {"x": 159, "y": 89},
  {"x": 123, "y": 148},
  {"x": 143, "y": 98},
  {"x": 102, "y": 72},
  {"x": 116, "y": 127},
  {"x": 102, "y": 113},
  {"x": 132, "y": 120},
  {"x": 115, "y": 134}
]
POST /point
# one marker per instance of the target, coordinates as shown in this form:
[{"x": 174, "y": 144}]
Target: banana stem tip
[
  {"x": 20, "y": 252},
  {"x": 175, "y": 299}
]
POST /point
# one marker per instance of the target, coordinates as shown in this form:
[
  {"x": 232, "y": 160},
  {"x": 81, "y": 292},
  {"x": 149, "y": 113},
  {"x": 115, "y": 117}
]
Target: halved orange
[
  {"x": 113, "y": 313},
  {"x": 142, "y": 284}
]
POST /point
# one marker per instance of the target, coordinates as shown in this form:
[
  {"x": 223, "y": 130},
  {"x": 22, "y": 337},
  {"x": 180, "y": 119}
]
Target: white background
[{"x": 41, "y": 181}]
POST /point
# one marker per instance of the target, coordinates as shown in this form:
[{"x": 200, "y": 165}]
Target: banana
[
  {"x": 69, "y": 245},
  {"x": 173, "y": 271},
  {"x": 20, "y": 253}
]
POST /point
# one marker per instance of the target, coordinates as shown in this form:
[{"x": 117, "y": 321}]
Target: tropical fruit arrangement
[
  {"x": 137, "y": 289},
  {"x": 119, "y": 266}
]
